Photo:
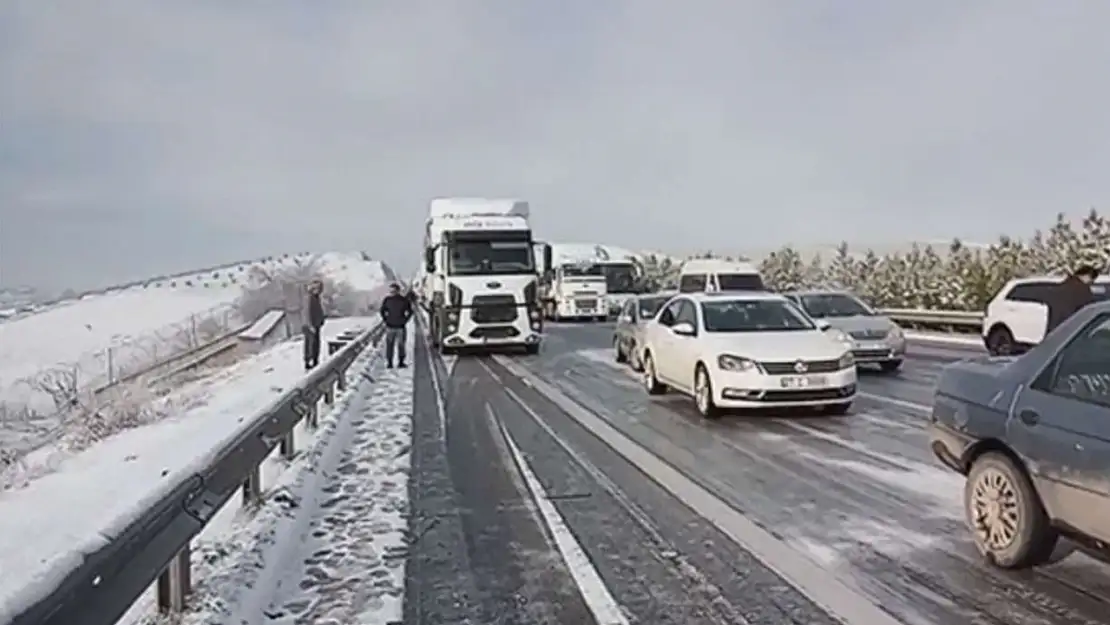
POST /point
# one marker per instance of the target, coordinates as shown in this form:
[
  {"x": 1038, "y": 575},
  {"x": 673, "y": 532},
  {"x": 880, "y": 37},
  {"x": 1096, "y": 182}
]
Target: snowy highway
[{"x": 847, "y": 515}]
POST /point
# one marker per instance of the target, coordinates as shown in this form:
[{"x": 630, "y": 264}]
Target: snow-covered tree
[
  {"x": 843, "y": 270},
  {"x": 783, "y": 269}
]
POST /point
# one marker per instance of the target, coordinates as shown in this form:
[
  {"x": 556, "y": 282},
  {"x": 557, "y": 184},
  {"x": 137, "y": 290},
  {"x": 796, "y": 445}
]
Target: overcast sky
[{"x": 138, "y": 137}]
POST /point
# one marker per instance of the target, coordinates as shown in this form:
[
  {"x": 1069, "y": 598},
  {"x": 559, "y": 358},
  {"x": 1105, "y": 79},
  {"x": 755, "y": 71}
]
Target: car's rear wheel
[
  {"x": 1008, "y": 522},
  {"x": 703, "y": 394},
  {"x": 635, "y": 358},
  {"x": 651, "y": 383},
  {"x": 1000, "y": 342},
  {"x": 618, "y": 351}
]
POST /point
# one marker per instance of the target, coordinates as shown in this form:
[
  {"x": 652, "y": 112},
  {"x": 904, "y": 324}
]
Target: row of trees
[{"x": 958, "y": 277}]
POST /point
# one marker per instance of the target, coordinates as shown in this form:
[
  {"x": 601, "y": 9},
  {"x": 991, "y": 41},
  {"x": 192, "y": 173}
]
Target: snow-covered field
[
  {"x": 89, "y": 342},
  {"x": 67, "y": 505}
]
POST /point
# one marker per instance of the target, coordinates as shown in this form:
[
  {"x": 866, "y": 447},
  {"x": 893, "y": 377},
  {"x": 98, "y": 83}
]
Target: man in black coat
[
  {"x": 1068, "y": 297},
  {"x": 314, "y": 322},
  {"x": 396, "y": 310}
]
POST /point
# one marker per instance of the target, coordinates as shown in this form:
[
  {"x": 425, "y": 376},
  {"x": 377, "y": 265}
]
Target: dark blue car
[{"x": 1032, "y": 435}]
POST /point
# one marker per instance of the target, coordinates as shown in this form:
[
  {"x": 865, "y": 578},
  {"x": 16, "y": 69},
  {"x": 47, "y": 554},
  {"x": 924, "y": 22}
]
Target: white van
[
  {"x": 713, "y": 274},
  {"x": 1017, "y": 317}
]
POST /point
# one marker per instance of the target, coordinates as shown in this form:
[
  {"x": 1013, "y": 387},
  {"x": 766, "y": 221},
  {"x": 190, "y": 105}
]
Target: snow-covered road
[{"x": 329, "y": 543}]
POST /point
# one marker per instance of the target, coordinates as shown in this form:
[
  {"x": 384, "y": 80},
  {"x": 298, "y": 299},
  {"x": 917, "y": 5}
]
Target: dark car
[{"x": 1032, "y": 435}]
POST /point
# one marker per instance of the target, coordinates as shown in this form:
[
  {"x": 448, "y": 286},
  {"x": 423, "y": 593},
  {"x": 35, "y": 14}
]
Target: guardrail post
[
  {"x": 341, "y": 381},
  {"x": 329, "y": 395},
  {"x": 175, "y": 583},
  {"x": 288, "y": 445},
  {"x": 252, "y": 487}
]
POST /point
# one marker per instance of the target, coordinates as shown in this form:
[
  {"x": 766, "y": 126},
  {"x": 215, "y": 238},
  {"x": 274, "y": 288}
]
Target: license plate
[
  {"x": 804, "y": 381},
  {"x": 876, "y": 346}
]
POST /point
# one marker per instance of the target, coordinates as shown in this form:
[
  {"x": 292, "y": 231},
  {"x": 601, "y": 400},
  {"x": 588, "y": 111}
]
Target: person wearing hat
[
  {"x": 314, "y": 322},
  {"x": 396, "y": 310},
  {"x": 1071, "y": 295}
]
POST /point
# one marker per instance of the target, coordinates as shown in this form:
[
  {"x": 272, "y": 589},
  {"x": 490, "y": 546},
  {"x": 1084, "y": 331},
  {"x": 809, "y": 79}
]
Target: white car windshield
[
  {"x": 762, "y": 315},
  {"x": 822, "y": 305}
]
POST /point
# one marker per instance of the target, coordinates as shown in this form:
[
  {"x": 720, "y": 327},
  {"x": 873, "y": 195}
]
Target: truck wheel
[{"x": 1008, "y": 522}]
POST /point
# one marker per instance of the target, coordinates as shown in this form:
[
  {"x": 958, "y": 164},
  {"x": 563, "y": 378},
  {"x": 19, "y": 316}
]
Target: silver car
[
  {"x": 875, "y": 339},
  {"x": 628, "y": 334}
]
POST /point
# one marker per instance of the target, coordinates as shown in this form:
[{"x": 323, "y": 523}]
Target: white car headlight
[
  {"x": 841, "y": 335},
  {"x": 727, "y": 362},
  {"x": 847, "y": 360},
  {"x": 895, "y": 334}
]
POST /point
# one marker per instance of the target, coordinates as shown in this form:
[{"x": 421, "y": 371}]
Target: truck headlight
[
  {"x": 847, "y": 360},
  {"x": 728, "y": 362}
]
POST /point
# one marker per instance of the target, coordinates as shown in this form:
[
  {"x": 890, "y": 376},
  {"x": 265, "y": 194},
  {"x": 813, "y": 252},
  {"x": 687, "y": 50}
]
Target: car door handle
[{"x": 1029, "y": 417}]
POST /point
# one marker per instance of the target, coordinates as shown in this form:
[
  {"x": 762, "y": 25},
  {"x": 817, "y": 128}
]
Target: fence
[
  {"x": 956, "y": 321},
  {"x": 155, "y": 547}
]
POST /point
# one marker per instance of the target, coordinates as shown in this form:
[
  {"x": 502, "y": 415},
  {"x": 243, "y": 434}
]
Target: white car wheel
[
  {"x": 651, "y": 383},
  {"x": 703, "y": 394}
]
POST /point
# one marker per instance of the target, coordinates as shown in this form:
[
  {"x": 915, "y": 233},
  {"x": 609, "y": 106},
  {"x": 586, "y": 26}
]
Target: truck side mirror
[
  {"x": 547, "y": 260},
  {"x": 430, "y": 260}
]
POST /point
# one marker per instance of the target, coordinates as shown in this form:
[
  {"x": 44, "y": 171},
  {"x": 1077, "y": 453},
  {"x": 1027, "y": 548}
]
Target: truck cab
[
  {"x": 482, "y": 279},
  {"x": 576, "y": 290},
  {"x": 621, "y": 282}
]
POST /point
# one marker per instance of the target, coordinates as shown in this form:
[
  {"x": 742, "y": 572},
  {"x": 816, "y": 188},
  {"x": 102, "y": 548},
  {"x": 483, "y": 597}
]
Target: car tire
[
  {"x": 838, "y": 410},
  {"x": 618, "y": 351},
  {"x": 703, "y": 393},
  {"x": 1000, "y": 342},
  {"x": 997, "y": 488},
  {"x": 890, "y": 366},
  {"x": 635, "y": 360},
  {"x": 651, "y": 383}
]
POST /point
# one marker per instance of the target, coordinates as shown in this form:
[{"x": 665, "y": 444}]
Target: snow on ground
[
  {"x": 85, "y": 498},
  {"x": 328, "y": 546}
]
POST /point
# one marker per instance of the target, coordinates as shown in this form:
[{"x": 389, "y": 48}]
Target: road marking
[
  {"x": 894, "y": 401},
  {"x": 595, "y": 593},
  {"x": 441, "y": 408},
  {"x": 834, "y": 596}
]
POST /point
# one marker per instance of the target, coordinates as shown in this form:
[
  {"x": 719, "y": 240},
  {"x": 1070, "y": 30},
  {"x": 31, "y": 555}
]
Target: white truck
[
  {"x": 575, "y": 289},
  {"x": 621, "y": 282},
  {"x": 481, "y": 280}
]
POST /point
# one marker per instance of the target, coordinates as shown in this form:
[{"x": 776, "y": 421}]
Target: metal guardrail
[
  {"x": 155, "y": 548},
  {"x": 963, "y": 321}
]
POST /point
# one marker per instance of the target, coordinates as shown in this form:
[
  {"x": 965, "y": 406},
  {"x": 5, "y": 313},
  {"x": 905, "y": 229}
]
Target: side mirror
[
  {"x": 430, "y": 260},
  {"x": 626, "y": 318},
  {"x": 822, "y": 325},
  {"x": 547, "y": 259},
  {"x": 683, "y": 329}
]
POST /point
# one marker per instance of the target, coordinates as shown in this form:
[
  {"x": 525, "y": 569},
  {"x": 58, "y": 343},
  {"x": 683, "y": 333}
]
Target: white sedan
[{"x": 747, "y": 350}]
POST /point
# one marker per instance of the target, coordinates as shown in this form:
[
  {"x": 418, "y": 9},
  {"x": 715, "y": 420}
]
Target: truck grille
[
  {"x": 585, "y": 304},
  {"x": 493, "y": 309},
  {"x": 812, "y": 366}
]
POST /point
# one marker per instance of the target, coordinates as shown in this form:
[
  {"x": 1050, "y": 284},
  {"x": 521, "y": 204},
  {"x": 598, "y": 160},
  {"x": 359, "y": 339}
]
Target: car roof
[
  {"x": 1104, "y": 279},
  {"x": 749, "y": 296},
  {"x": 819, "y": 292}
]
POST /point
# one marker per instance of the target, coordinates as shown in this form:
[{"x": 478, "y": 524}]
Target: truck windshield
[
  {"x": 478, "y": 258},
  {"x": 582, "y": 271},
  {"x": 620, "y": 279}
]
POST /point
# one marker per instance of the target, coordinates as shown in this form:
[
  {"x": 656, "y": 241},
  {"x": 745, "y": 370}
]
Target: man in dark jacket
[
  {"x": 1068, "y": 297},
  {"x": 396, "y": 311},
  {"x": 314, "y": 322}
]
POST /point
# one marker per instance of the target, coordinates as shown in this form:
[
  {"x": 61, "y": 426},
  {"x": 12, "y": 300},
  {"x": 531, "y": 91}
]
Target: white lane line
[
  {"x": 595, "y": 593},
  {"x": 848, "y": 604},
  {"x": 894, "y": 401},
  {"x": 441, "y": 408}
]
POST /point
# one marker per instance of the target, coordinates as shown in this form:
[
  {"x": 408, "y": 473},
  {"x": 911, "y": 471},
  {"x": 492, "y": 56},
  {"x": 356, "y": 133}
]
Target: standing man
[
  {"x": 314, "y": 322},
  {"x": 396, "y": 311},
  {"x": 1068, "y": 297}
]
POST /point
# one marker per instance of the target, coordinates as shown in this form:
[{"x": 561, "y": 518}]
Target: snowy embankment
[
  {"x": 49, "y": 359},
  {"x": 60, "y": 506},
  {"x": 328, "y": 544}
]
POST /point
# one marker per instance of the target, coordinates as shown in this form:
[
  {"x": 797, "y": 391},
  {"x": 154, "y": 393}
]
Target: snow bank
[{"x": 91, "y": 496}]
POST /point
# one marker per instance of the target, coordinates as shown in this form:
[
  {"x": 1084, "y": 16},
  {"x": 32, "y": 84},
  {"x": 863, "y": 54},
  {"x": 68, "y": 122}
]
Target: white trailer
[{"x": 481, "y": 279}]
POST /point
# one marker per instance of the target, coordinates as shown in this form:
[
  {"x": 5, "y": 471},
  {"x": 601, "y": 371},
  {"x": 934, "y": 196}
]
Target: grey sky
[{"x": 139, "y": 136}]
